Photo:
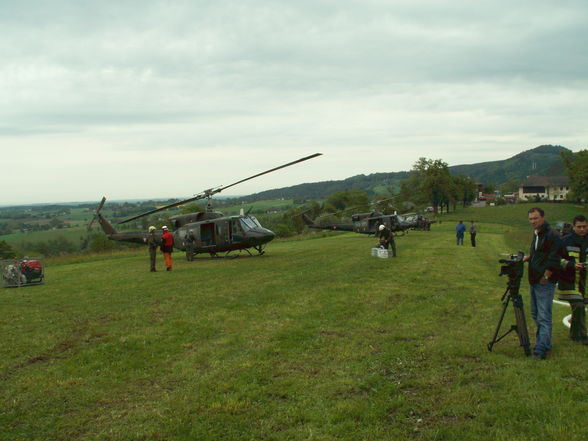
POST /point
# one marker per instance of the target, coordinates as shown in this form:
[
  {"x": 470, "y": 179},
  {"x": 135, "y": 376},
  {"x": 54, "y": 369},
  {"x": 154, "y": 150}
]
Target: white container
[
  {"x": 375, "y": 252},
  {"x": 384, "y": 254}
]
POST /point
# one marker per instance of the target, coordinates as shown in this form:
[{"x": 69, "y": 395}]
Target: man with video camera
[
  {"x": 544, "y": 264},
  {"x": 572, "y": 281}
]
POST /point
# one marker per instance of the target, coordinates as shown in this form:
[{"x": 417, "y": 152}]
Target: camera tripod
[{"x": 512, "y": 293}]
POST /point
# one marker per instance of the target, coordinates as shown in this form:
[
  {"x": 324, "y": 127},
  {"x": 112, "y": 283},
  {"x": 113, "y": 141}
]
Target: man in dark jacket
[
  {"x": 473, "y": 232},
  {"x": 544, "y": 263},
  {"x": 572, "y": 280}
]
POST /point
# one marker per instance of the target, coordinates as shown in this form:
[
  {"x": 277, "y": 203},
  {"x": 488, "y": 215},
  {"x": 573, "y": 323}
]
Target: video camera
[{"x": 513, "y": 267}]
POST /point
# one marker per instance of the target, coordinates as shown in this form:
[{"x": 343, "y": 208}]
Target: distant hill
[{"x": 543, "y": 160}]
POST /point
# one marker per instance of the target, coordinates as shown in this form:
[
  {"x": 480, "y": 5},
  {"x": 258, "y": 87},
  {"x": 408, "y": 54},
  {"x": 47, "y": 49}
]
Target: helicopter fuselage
[
  {"x": 368, "y": 223},
  {"x": 222, "y": 234},
  {"x": 204, "y": 232}
]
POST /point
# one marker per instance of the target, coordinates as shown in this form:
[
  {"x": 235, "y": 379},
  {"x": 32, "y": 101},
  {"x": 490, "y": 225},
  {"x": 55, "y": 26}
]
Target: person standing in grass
[
  {"x": 473, "y": 232},
  {"x": 544, "y": 264},
  {"x": 189, "y": 243},
  {"x": 460, "y": 229},
  {"x": 167, "y": 247},
  {"x": 572, "y": 280},
  {"x": 152, "y": 243}
]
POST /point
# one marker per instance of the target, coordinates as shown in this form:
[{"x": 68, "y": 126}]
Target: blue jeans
[{"x": 541, "y": 306}]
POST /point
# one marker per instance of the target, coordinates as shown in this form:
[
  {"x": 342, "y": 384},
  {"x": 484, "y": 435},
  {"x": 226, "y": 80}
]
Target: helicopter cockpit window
[
  {"x": 248, "y": 224},
  {"x": 254, "y": 219}
]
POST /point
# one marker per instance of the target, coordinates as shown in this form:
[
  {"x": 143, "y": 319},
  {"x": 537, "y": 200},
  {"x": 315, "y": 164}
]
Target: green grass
[
  {"x": 19, "y": 240},
  {"x": 315, "y": 340}
]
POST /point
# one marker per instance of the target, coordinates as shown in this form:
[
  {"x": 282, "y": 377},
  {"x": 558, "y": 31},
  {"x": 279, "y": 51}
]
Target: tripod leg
[
  {"x": 521, "y": 326},
  {"x": 494, "y": 340}
]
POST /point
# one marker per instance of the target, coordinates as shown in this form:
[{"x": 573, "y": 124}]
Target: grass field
[
  {"x": 25, "y": 242},
  {"x": 316, "y": 340}
]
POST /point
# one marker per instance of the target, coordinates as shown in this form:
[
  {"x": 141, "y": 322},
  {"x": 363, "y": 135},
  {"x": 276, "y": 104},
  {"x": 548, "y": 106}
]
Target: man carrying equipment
[{"x": 386, "y": 238}]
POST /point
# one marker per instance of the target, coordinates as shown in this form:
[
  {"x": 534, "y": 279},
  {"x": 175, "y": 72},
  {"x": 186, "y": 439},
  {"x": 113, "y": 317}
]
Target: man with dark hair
[
  {"x": 544, "y": 263},
  {"x": 572, "y": 281}
]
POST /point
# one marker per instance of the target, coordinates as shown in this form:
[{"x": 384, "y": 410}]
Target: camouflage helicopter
[
  {"x": 368, "y": 223},
  {"x": 203, "y": 232}
]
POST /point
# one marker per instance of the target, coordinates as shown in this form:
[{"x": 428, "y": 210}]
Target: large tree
[
  {"x": 344, "y": 200},
  {"x": 466, "y": 189},
  {"x": 577, "y": 171},
  {"x": 429, "y": 182}
]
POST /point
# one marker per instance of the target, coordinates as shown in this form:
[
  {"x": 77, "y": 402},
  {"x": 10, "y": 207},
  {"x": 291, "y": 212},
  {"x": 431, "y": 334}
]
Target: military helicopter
[
  {"x": 203, "y": 232},
  {"x": 368, "y": 223}
]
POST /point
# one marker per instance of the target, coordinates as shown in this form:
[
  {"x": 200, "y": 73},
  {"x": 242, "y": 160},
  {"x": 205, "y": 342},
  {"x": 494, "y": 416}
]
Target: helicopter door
[
  {"x": 207, "y": 234},
  {"x": 237, "y": 234},
  {"x": 222, "y": 232},
  {"x": 373, "y": 224}
]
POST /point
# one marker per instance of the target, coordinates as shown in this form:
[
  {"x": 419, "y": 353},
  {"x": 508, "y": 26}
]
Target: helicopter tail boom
[
  {"x": 106, "y": 226},
  {"x": 308, "y": 221}
]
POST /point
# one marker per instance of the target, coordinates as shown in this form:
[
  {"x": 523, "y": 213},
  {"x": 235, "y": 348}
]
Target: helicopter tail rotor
[{"x": 97, "y": 212}]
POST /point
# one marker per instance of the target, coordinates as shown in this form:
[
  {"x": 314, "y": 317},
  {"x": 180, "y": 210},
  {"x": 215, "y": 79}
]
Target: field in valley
[{"x": 316, "y": 340}]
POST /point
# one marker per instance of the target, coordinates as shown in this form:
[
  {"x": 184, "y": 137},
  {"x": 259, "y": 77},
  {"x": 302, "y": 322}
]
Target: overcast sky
[{"x": 150, "y": 99}]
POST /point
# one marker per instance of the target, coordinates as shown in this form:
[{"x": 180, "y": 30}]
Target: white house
[{"x": 552, "y": 188}]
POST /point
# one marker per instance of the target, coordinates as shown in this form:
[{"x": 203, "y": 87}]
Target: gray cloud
[{"x": 355, "y": 78}]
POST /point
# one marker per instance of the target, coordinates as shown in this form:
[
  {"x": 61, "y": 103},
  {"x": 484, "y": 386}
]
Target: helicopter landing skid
[
  {"x": 228, "y": 255},
  {"x": 259, "y": 250}
]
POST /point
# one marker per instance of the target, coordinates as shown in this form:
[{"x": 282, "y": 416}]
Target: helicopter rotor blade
[
  {"x": 97, "y": 212},
  {"x": 212, "y": 191},
  {"x": 269, "y": 171},
  {"x": 165, "y": 207}
]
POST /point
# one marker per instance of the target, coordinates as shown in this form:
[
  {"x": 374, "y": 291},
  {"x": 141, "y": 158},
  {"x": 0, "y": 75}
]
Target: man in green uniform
[{"x": 152, "y": 243}]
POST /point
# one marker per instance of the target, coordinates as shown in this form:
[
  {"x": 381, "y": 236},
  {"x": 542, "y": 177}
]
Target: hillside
[{"x": 542, "y": 160}]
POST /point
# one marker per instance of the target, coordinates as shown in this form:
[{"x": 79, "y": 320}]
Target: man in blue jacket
[
  {"x": 572, "y": 280},
  {"x": 544, "y": 264},
  {"x": 460, "y": 229}
]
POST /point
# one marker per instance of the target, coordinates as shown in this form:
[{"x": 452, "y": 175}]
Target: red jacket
[{"x": 167, "y": 242}]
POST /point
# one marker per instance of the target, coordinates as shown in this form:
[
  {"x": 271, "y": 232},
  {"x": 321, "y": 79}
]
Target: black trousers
[
  {"x": 578, "y": 324},
  {"x": 473, "y": 239}
]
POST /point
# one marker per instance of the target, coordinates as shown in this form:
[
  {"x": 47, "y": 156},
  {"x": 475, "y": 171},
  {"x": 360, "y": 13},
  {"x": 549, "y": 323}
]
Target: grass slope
[{"x": 316, "y": 340}]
